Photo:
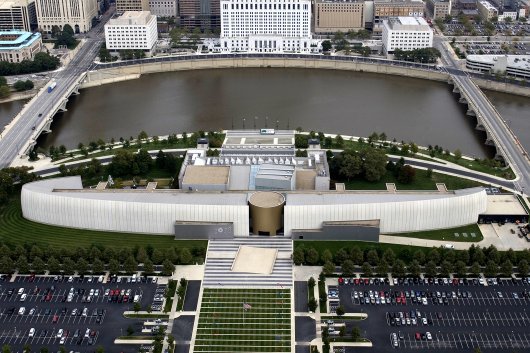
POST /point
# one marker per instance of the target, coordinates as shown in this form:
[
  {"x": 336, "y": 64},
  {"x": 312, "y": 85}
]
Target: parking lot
[
  {"x": 495, "y": 48},
  {"x": 72, "y": 311},
  {"x": 443, "y": 315},
  {"x": 516, "y": 29}
]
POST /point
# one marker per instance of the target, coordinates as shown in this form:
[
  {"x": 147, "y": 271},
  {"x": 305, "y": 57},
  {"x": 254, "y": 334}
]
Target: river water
[{"x": 344, "y": 102}]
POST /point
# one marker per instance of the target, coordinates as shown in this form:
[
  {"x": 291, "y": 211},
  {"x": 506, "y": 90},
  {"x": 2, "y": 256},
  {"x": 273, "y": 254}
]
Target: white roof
[
  {"x": 514, "y": 61},
  {"x": 412, "y": 21}
]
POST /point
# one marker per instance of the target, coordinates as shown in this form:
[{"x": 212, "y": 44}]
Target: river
[{"x": 344, "y": 102}]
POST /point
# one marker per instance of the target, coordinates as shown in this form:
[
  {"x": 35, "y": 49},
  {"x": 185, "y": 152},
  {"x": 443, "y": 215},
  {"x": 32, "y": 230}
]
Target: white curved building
[
  {"x": 63, "y": 202},
  {"x": 396, "y": 212},
  {"x": 210, "y": 214}
]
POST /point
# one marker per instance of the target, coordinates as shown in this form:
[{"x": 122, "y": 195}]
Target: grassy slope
[{"x": 446, "y": 234}]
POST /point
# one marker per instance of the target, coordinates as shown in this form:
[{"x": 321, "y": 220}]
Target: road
[
  {"x": 506, "y": 143},
  {"x": 22, "y": 131}
]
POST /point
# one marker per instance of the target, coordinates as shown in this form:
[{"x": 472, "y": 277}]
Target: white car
[
  {"x": 31, "y": 332},
  {"x": 32, "y": 311},
  {"x": 424, "y": 320},
  {"x": 87, "y": 333},
  {"x": 20, "y": 291},
  {"x": 74, "y": 312},
  {"x": 21, "y": 311},
  {"x": 96, "y": 292},
  {"x": 59, "y": 333},
  {"x": 62, "y": 340},
  {"x": 70, "y": 279},
  {"x": 23, "y": 297},
  {"x": 91, "y": 292},
  {"x": 429, "y": 336}
]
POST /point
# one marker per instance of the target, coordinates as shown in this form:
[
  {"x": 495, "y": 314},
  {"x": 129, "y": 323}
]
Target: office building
[
  {"x": 204, "y": 14},
  {"x": 266, "y": 26},
  {"x": 17, "y": 14},
  {"x": 16, "y": 46},
  {"x": 163, "y": 8},
  {"x": 384, "y": 9},
  {"x": 336, "y": 15},
  {"x": 439, "y": 8},
  {"x": 76, "y": 13},
  {"x": 132, "y": 30},
  {"x": 406, "y": 33},
  {"x": 486, "y": 10},
  {"x": 131, "y": 5},
  {"x": 507, "y": 13},
  {"x": 513, "y": 65}
]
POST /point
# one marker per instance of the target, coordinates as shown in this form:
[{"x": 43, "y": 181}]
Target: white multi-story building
[
  {"x": 76, "y": 13},
  {"x": 132, "y": 30},
  {"x": 406, "y": 33},
  {"x": 513, "y": 65},
  {"x": 163, "y": 8},
  {"x": 266, "y": 26},
  {"x": 507, "y": 14},
  {"x": 17, "y": 14}
]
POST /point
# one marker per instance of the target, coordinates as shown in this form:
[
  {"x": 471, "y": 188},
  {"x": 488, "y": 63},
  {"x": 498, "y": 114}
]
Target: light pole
[{"x": 243, "y": 123}]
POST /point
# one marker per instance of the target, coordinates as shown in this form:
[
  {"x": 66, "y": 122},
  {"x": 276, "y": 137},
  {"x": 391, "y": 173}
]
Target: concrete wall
[
  {"x": 189, "y": 230},
  {"x": 339, "y": 232}
]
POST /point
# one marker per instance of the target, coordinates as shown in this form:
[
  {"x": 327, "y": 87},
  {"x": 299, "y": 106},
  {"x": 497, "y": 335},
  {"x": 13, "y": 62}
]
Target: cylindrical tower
[{"x": 266, "y": 208}]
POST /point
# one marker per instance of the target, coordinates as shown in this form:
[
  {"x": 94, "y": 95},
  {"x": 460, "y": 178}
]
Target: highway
[
  {"x": 506, "y": 143},
  {"x": 25, "y": 128}
]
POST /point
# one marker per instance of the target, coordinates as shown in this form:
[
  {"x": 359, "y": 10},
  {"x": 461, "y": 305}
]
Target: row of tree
[
  {"x": 374, "y": 256},
  {"x": 41, "y": 62},
  {"x": 368, "y": 163},
  {"x": 422, "y": 55},
  {"x": 48, "y": 253},
  {"x": 11, "y": 179}
]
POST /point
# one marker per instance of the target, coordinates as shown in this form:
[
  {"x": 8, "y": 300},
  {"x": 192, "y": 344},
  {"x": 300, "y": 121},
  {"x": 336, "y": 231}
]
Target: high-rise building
[
  {"x": 131, "y": 5},
  {"x": 439, "y": 8},
  {"x": 76, "y": 13},
  {"x": 163, "y": 8},
  {"x": 266, "y": 25},
  {"x": 200, "y": 13},
  {"x": 17, "y": 14},
  {"x": 406, "y": 33},
  {"x": 132, "y": 30},
  {"x": 486, "y": 10},
  {"x": 337, "y": 15}
]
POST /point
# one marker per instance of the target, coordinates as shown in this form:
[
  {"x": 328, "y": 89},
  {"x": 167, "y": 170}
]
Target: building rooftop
[
  {"x": 131, "y": 18},
  {"x": 13, "y": 39},
  {"x": 513, "y": 61},
  {"x": 266, "y": 199},
  {"x": 353, "y": 197},
  {"x": 487, "y": 5},
  {"x": 206, "y": 175},
  {"x": 504, "y": 204},
  {"x": 407, "y": 23}
]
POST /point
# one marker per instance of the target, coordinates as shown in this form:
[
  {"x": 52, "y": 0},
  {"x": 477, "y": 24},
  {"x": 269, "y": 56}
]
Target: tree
[
  {"x": 20, "y": 85},
  {"x": 522, "y": 268},
  {"x": 398, "y": 269},
  {"x": 352, "y": 165},
  {"x": 491, "y": 269},
  {"x": 326, "y": 46},
  {"x": 3, "y": 81},
  {"x": 372, "y": 257},
  {"x": 367, "y": 269},
  {"x": 374, "y": 163},
  {"x": 22, "y": 264},
  {"x": 130, "y": 265},
  {"x": 82, "y": 266},
  {"x": 478, "y": 256},
  {"x": 458, "y": 154},
  {"x": 298, "y": 256},
  {"x": 167, "y": 267},
  {"x": 419, "y": 256},
  {"x": 356, "y": 333},
  {"x": 141, "y": 256},
  {"x": 348, "y": 267},
  {"x": 311, "y": 256},
  {"x": 327, "y": 256},
  {"x": 430, "y": 269},
  {"x": 6, "y": 348},
  {"x": 475, "y": 269},
  {"x": 144, "y": 161},
  {"x": 434, "y": 256},
  {"x": 4, "y": 91},
  {"x": 389, "y": 256},
  {"x": 137, "y": 307},
  {"x": 148, "y": 266},
  {"x": 185, "y": 256},
  {"x": 356, "y": 255},
  {"x": 414, "y": 268},
  {"x": 6, "y": 264},
  {"x": 130, "y": 330},
  {"x": 382, "y": 268},
  {"x": 406, "y": 174},
  {"x": 507, "y": 268},
  {"x": 114, "y": 266},
  {"x": 312, "y": 305},
  {"x": 53, "y": 265},
  {"x": 98, "y": 266},
  {"x": 38, "y": 265},
  {"x": 340, "y": 310},
  {"x": 460, "y": 268},
  {"x": 328, "y": 268},
  {"x": 446, "y": 268},
  {"x": 122, "y": 162}
]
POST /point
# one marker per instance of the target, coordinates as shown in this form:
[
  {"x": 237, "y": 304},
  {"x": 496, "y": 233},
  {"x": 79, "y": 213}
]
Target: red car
[
  {"x": 418, "y": 336},
  {"x": 48, "y": 297},
  {"x": 55, "y": 319},
  {"x": 366, "y": 281},
  {"x": 341, "y": 280}
]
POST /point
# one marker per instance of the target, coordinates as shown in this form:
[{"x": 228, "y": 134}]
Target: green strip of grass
[
  {"x": 422, "y": 182},
  {"x": 14, "y": 229},
  {"x": 146, "y": 316},
  {"x": 447, "y": 234}
]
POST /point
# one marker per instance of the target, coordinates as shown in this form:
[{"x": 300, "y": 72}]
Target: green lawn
[
  {"x": 447, "y": 234},
  {"x": 14, "y": 229},
  {"x": 422, "y": 182},
  {"x": 224, "y": 326}
]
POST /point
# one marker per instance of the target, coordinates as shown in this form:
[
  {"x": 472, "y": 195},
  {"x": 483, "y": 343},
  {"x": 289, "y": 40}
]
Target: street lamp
[{"x": 243, "y": 123}]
